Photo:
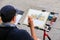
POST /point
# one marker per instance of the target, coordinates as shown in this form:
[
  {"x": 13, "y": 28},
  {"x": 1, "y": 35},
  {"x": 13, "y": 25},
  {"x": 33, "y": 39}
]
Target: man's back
[
  {"x": 8, "y": 15},
  {"x": 13, "y": 33}
]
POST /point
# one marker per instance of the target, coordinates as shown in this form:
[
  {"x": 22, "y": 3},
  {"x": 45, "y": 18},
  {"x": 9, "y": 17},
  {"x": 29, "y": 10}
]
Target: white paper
[
  {"x": 18, "y": 17},
  {"x": 39, "y": 17}
]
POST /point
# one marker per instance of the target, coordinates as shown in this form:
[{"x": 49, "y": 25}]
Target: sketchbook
[{"x": 39, "y": 17}]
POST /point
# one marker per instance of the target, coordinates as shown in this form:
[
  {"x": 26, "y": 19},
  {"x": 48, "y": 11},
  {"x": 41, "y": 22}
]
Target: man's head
[{"x": 7, "y": 13}]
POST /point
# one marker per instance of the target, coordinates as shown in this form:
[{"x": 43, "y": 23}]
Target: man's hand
[
  {"x": 30, "y": 21},
  {"x": 31, "y": 25}
]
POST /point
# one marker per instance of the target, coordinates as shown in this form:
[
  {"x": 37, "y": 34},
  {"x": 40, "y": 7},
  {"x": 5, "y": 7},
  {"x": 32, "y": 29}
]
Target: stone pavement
[{"x": 54, "y": 32}]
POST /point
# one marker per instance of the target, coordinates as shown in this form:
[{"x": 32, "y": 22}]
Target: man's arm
[{"x": 31, "y": 25}]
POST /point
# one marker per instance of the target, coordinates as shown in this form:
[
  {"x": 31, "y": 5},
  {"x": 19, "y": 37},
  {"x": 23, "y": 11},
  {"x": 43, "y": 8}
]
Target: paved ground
[
  {"x": 54, "y": 33},
  {"x": 49, "y": 5}
]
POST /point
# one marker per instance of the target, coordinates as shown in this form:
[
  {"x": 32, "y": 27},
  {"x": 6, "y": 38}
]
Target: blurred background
[{"x": 48, "y": 5}]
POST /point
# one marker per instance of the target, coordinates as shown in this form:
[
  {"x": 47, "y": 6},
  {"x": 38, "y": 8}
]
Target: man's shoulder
[
  {"x": 17, "y": 31},
  {"x": 20, "y": 34},
  {"x": 20, "y": 31}
]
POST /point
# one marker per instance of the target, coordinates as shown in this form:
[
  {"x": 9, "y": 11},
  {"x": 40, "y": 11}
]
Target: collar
[{"x": 7, "y": 24}]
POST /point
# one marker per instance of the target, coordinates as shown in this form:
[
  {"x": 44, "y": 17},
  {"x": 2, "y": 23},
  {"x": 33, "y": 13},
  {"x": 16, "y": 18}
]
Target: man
[{"x": 9, "y": 31}]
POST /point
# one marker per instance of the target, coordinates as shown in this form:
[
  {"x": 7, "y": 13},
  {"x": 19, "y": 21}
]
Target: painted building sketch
[{"x": 39, "y": 17}]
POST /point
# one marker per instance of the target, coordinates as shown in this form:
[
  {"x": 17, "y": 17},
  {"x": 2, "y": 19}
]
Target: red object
[{"x": 46, "y": 35}]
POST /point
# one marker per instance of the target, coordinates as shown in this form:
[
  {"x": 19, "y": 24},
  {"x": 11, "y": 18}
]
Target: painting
[{"x": 39, "y": 17}]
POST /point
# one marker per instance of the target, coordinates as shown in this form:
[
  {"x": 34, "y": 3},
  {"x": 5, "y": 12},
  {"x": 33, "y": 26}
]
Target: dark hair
[{"x": 7, "y": 13}]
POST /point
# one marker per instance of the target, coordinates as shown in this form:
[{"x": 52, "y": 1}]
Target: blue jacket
[{"x": 13, "y": 33}]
